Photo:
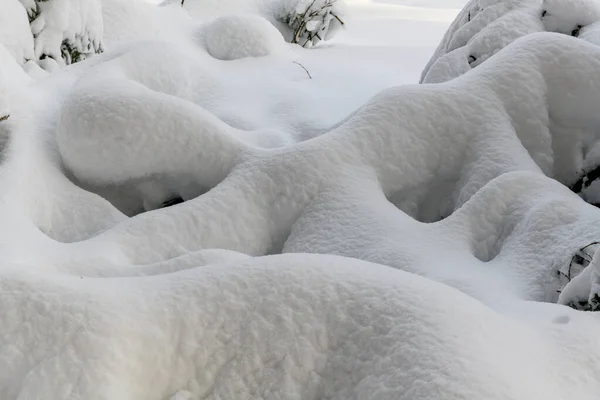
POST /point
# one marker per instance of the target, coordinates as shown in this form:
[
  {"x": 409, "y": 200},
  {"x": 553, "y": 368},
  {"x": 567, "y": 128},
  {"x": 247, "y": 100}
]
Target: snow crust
[{"x": 437, "y": 216}]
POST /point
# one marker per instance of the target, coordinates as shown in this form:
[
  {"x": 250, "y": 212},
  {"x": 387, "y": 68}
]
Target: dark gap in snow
[
  {"x": 586, "y": 180},
  {"x": 172, "y": 201}
]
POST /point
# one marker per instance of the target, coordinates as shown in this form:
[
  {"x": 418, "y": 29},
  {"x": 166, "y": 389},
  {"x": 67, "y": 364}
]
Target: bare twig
[
  {"x": 338, "y": 18},
  {"x": 307, "y": 73},
  {"x": 4, "y": 117},
  {"x": 323, "y": 13}
]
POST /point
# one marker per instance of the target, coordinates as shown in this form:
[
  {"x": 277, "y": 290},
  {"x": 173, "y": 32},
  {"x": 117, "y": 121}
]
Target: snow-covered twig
[{"x": 312, "y": 21}]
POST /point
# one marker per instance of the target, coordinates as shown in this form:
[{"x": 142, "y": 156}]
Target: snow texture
[{"x": 437, "y": 216}]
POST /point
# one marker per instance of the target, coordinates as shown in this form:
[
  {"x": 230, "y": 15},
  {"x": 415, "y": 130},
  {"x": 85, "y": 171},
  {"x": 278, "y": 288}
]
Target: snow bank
[
  {"x": 437, "y": 215},
  {"x": 293, "y": 327}
]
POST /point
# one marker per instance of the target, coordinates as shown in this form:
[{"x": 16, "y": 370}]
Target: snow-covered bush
[
  {"x": 304, "y": 22},
  {"x": 67, "y": 31},
  {"x": 484, "y": 27},
  {"x": 312, "y": 21}
]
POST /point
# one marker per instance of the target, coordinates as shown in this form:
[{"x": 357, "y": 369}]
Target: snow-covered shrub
[
  {"x": 312, "y": 21},
  {"x": 569, "y": 16},
  {"x": 484, "y": 27},
  {"x": 582, "y": 291},
  {"x": 235, "y": 37},
  {"x": 67, "y": 31},
  {"x": 304, "y": 22}
]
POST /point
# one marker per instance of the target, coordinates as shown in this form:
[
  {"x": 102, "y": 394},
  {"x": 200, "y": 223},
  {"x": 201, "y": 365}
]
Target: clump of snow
[
  {"x": 239, "y": 36},
  {"x": 15, "y": 34},
  {"x": 569, "y": 17}
]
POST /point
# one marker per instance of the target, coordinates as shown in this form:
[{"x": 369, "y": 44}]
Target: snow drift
[{"x": 441, "y": 229}]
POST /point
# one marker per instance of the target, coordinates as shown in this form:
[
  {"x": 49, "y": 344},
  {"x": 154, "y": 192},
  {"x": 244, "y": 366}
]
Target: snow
[
  {"x": 484, "y": 27},
  {"x": 14, "y": 31},
  {"x": 76, "y": 22},
  {"x": 235, "y": 37},
  {"x": 344, "y": 235}
]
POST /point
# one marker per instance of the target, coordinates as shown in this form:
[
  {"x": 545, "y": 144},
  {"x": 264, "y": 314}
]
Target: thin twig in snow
[{"x": 307, "y": 73}]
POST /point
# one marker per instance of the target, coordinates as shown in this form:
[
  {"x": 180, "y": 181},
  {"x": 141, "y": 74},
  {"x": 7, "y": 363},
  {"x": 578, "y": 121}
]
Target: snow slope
[{"x": 440, "y": 227}]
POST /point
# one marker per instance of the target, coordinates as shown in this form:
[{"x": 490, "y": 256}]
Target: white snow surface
[
  {"x": 15, "y": 34},
  {"x": 342, "y": 237},
  {"x": 240, "y": 36}
]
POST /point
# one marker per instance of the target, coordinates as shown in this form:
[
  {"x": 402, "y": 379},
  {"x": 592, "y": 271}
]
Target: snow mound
[
  {"x": 484, "y": 27},
  {"x": 300, "y": 326},
  {"x": 239, "y": 36}
]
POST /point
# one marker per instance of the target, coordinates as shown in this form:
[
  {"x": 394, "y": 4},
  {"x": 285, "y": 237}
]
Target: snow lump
[{"x": 240, "y": 36}]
